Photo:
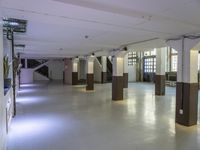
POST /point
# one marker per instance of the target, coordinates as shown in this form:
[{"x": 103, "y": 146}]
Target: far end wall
[
  {"x": 68, "y": 71},
  {"x": 56, "y": 68},
  {"x": 132, "y": 73},
  {"x": 82, "y": 69}
]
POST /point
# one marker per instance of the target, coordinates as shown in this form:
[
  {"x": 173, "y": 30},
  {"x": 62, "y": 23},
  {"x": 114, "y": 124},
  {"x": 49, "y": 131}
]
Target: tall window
[
  {"x": 132, "y": 58},
  {"x": 174, "y": 60},
  {"x": 199, "y": 61},
  {"x": 150, "y": 53},
  {"x": 150, "y": 61},
  {"x": 150, "y": 64}
]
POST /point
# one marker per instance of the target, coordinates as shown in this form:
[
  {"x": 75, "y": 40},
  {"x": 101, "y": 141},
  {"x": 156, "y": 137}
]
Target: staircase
[
  {"x": 109, "y": 70},
  {"x": 99, "y": 59},
  {"x": 40, "y": 68},
  {"x": 97, "y": 70},
  {"x": 32, "y": 63},
  {"x": 44, "y": 70}
]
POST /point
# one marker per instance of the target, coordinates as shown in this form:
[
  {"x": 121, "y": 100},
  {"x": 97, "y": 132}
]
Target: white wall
[
  {"x": 131, "y": 70},
  {"x": 56, "y": 68},
  {"x": 8, "y": 98},
  {"x": 2, "y": 100},
  {"x": 82, "y": 69},
  {"x": 68, "y": 71},
  {"x": 97, "y": 71},
  {"x": 38, "y": 77},
  {"x": 26, "y": 76},
  {"x": 7, "y": 51},
  {"x": 132, "y": 73}
]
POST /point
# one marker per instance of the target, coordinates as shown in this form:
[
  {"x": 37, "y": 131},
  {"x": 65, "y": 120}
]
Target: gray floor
[{"x": 56, "y": 117}]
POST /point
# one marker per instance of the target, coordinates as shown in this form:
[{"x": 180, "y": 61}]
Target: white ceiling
[{"x": 58, "y": 27}]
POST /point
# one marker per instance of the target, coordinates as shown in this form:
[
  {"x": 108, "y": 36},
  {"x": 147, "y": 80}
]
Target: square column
[
  {"x": 26, "y": 63},
  {"x": 104, "y": 69},
  {"x": 90, "y": 73},
  {"x": 125, "y": 74},
  {"x": 75, "y": 62},
  {"x": 160, "y": 72},
  {"x": 187, "y": 82},
  {"x": 187, "y": 88},
  {"x": 117, "y": 78}
]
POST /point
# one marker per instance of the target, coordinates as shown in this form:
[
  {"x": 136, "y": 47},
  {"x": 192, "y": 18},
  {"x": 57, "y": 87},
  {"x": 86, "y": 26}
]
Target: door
[{"x": 149, "y": 68}]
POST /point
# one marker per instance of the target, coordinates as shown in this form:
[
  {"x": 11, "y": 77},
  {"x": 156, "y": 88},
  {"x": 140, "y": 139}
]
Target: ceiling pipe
[{"x": 186, "y": 36}]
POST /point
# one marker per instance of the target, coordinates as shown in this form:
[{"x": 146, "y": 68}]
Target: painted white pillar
[
  {"x": 104, "y": 63},
  {"x": 26, "y": 63},
  {"x": 90, "y": 65},
  {"x": 160, "y": 60},
  {"x": 75, "y": 62},
  {"x": 187, "y": 81},
  {"x": 187, "y": 66},
  {"x": 118, "y": 66},
  {"x": 126, "y": 63}
]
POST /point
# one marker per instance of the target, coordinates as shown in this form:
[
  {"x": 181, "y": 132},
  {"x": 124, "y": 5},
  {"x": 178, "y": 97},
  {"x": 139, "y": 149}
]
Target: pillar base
[
  {"x": 159, "y": 84},
  {"x": 125, "y": 76},
  {"x": 90, "y": 82},
  {"x": 103, "y": 77},
  {"x": 74, "y": 78},
  {"x": 117, "y": 88},
  {"x": 186, "y": 103}
]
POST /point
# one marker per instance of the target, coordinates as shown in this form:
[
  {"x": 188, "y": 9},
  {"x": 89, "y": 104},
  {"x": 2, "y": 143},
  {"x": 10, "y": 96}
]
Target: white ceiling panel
[{"x": 63, "y": 24}]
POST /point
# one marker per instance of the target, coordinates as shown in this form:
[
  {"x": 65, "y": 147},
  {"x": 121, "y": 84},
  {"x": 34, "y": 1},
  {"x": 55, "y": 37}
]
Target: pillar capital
[
  {"x": 90, "y": 58},
  {"x": 120, "y": 53},
  {"x": 75, "y": 60},
  {"x": 183, "y": 44}
]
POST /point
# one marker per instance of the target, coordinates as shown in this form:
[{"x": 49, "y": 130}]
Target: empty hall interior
[{"x": 99, "y": 75}]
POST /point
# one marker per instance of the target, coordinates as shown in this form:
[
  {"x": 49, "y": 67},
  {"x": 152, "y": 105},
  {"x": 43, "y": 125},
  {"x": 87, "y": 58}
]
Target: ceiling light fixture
[
  {"x": 86, "y": 36},
  {"x": 16, "y": 25}
]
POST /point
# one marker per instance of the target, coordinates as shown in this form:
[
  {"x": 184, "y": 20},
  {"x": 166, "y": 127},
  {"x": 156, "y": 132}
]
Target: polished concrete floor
[{"x": 51, "y": 116}]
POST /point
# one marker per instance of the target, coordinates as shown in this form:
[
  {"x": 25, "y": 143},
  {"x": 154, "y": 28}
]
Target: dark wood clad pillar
[
  {"x": 103, "y": 77},
  {"x": 117, "y": 87},
  {"x": 90, "y": 82},
  {"x": 186, "y": 103},
  {"x": 125, "y": 76},
  {"x": 160, "y": 85},
  {"x": 74, "y": 78}
]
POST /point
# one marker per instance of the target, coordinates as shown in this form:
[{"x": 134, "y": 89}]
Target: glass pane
[
  {"x": 153, "y": 53},
  {"x": 174, "y": 61},
  {"x": 174, "y": 51}
]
